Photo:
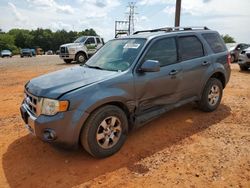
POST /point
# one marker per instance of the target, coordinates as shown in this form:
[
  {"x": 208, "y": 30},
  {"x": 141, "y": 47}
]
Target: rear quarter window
[{"x": 215, "y": 42}]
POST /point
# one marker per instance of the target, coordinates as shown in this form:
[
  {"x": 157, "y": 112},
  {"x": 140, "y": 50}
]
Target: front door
[
  {"x": 157, "y": 89},
  {"x": 90, "y": 44}
]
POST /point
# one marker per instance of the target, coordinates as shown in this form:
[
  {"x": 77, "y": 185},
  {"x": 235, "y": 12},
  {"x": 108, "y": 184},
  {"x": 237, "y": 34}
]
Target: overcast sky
[{"x": 226, "y": 16}]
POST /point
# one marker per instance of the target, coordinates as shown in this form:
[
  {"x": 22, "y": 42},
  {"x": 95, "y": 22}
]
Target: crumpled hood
[{"x": 55, "y": 84}]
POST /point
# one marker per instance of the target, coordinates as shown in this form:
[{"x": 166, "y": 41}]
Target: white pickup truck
[{"x": 81, "y": 49}]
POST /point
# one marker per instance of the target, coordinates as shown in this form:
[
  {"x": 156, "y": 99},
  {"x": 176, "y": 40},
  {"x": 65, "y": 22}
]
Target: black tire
[
  {"x": 81, "y": 58},
  {"x": 67, "y": 61},
  {"x": 92, "y": 127},
  {"x": 232, "y": 58},
  {"x": 205, "y": 102},
  {"x": 243, "y": 67}
]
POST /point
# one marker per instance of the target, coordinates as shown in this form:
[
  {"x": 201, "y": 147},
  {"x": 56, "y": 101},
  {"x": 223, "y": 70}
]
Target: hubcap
[
  {"x": 214, "y": 95},
  {"x": 81, "y": 58},
  {"x": 109, "y": 132}
]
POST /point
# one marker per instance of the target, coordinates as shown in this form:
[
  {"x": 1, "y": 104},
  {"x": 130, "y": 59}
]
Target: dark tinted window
[
  {"x": 164, "y": 51},
  {"x": 98, "y": 40},
  {"x": 190, "y": 47},
  {"x": 215, "y": 42},
  {"x": 90, "y": 41}
]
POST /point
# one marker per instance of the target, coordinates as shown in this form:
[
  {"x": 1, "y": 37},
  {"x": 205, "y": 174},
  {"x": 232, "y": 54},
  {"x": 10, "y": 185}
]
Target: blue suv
[{"x": 127, "y": 83}]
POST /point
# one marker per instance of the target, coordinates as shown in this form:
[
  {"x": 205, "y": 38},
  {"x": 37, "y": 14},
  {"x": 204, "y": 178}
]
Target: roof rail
[{"x": 171, "y": 29}]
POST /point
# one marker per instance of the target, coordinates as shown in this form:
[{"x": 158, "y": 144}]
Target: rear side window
[
  {"x": 215, "y": 42},
  {"x": 98, "y": 41},
  {"x": 190, "y": 48},
  {"x": 164, "y": 51}
]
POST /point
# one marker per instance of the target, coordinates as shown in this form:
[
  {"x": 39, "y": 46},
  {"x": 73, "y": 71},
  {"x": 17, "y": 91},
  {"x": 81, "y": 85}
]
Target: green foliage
[
  {"x": 7, "y": 41},
  {"x": 228, "y": 39},
  {"x": 42, "y": 38}
]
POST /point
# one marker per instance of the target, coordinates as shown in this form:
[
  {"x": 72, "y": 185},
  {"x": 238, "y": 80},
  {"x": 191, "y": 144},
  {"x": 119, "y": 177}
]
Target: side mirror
[
  {"x": 238, "y": 48},
  {"x": 150, "y": 66}
]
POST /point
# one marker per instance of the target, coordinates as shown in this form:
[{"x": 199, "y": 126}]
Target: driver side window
[
  {"x": 90, "y": 41},
  {"x": 164, "y": 51}
]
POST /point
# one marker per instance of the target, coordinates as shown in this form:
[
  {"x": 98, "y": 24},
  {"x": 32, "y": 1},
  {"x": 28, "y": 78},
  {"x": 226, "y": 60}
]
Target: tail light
[{"x": 229, "y": 59}]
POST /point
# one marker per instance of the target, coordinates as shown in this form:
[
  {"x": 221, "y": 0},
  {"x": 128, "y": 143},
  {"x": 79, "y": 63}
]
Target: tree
[
  {"x": 228, "y": 39},
  {"x": 8, "y": 42}
]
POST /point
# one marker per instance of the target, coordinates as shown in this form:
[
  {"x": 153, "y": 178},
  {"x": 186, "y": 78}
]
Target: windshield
[
  {"x": 117, "y": 55},
  {"x": 5, "y": 51},
  {"x": 80, "y": 39}
]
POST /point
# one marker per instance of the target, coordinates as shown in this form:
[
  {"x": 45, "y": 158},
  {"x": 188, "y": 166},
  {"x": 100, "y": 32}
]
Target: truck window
[
  {"x": 98, "y": 41},
  {"x": 90, "y": 40}
]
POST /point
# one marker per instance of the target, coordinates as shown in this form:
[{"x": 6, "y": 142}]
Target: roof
[{"x": 168, "y": 30}]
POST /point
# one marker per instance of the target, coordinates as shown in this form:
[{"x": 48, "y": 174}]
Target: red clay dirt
[{"x": 183, "y": 148}]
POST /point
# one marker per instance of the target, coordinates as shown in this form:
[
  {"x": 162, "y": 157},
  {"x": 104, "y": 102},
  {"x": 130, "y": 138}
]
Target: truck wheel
[
  {"x": 243, "y": 67},
  {"x": 105, "y": 131},
  {"x": 232, "y": 58},
  {"x": 81, "y": 58},
  {"x": 211, "y": 95},
  {"x": 67, "y": 61}
]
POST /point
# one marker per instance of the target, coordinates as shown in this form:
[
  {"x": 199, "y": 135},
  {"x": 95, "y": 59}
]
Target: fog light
[{"x": 49, "y": 135}]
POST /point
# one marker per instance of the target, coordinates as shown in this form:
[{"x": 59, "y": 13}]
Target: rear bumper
[{"x": 63, "y": 128}]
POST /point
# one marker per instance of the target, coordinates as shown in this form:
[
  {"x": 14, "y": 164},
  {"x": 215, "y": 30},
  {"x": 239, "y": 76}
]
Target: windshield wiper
[{"x": 94, "y": 67}]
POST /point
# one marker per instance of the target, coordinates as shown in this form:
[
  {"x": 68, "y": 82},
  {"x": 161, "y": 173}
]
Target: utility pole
[
  {"x": 177, "y": 13},
  {"x": 131, "y": 17}
]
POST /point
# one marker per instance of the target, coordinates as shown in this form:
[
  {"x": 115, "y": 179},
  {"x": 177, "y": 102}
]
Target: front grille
[
  {"x": 31, "y": 102},
  {"x": 64, "y": 50},
  {"x": 248, "y": 55}
]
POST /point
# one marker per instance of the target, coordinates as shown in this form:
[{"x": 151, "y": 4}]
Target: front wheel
[
  {"x": 105, "y": 131},
  {"x": 211, "y": 96},
  {"x": 243, "y": 67},
  {"x": 81, "y": 58}
]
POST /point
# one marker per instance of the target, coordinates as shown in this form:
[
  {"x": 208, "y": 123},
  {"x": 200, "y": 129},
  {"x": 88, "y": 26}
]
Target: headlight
[{"x": 51, "y": 107}]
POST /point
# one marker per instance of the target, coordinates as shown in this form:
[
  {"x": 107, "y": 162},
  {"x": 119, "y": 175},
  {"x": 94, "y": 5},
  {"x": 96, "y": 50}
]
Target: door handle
[
  {"x": 205, "y": 63},
  {"x": 173, "y": 72}
]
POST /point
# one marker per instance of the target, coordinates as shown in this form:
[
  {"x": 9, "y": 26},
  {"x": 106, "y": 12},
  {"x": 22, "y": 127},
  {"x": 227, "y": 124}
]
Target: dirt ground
[{"x": 184, "y": 148}]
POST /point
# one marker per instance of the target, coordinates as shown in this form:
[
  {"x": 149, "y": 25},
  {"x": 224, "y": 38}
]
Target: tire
[
  {"x": 243, "y": 67},
  {"x": 211, "y": 95},
  {"x": 232, "y": 58},
  {"x": 104, "y": 146},
  {"x": 67, "y": 61},
  {"x": 81, "y": 58}
]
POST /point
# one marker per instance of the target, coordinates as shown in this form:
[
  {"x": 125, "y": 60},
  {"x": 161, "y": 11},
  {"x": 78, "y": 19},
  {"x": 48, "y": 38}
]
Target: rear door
[
  {"x": 99, "y": 43},
  {"x": 194, "y": 62},
  {"x": 156, "y": 89}
]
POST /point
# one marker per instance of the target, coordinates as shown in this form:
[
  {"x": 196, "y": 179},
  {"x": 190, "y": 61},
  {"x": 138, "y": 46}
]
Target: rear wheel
[
  {"x": 211, "y": 95},
  {"x": 232, "y": 58},
  {"x": 67, "y": 61},
  {"x": 105, "y": 131}
]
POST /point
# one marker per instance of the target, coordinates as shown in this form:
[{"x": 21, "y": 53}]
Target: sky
[{"x": 226, "y": 16}]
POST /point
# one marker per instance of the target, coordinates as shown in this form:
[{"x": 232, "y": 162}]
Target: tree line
[{"x": 15, "y": 39}]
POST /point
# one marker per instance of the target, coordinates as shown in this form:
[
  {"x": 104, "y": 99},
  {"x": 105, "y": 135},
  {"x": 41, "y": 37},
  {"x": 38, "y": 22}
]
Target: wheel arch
[
  {"x": 117, "y": 103},
  {"x": 81, "y": 52}
]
